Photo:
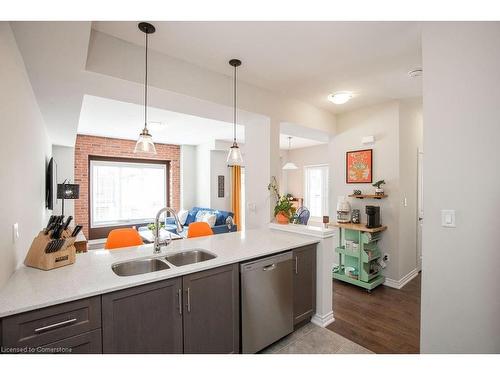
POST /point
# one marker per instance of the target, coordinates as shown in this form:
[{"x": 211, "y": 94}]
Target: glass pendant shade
[
  {"x": 234, "y": 156},
  {"x": 145, "y": 144},
  {"x": 290, "y": 166}
]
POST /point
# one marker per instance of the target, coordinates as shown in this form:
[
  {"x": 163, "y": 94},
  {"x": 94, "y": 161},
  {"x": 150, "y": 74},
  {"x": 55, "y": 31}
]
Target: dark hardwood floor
[{"x": 387, "y": 320}]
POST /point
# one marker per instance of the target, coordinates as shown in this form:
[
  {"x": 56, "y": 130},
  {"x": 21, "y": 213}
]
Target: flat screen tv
[{"x": 50, "y": 185}]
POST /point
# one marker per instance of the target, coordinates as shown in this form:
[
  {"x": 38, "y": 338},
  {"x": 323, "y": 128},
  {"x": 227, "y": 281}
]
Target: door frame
[{"x": 420, "y": 205}]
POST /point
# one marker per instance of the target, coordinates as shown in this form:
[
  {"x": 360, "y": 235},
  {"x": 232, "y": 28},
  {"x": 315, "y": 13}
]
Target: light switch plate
[{"x": 448, "y": 218}]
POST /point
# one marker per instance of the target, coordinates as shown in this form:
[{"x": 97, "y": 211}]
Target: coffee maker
[{"x": 373, "y": 216}]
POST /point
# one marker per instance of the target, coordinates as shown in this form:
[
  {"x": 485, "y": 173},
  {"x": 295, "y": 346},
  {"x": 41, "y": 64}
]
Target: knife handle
[
  {"x": 77, "y": 230},
  {"x": 49, "y": 228},
  {"x": 68, "y": 221},
  {"x": 51, "y": 220}
]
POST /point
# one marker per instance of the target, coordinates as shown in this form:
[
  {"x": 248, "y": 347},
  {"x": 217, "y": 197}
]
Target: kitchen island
[{"x": 90, "y": 284}]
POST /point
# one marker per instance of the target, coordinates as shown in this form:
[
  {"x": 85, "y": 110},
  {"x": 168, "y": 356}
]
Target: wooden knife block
[{"x": 38, "y": 258}]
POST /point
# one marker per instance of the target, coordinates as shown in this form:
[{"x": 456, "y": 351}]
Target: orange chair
[
  {"x": 123, "y": 237},
  {"x": 199, "y": 229}
]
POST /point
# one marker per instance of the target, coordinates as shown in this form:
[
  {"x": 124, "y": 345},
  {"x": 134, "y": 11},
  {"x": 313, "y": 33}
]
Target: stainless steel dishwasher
[{"x": 266, "y": 301}]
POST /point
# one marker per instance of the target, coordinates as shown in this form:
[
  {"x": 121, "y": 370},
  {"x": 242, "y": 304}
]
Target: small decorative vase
[
  {"x": 281, "y": 218},
  {"x": 379, "y": 191}
]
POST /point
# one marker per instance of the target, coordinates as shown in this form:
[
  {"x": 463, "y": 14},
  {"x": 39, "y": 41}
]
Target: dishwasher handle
[
  {"x": 266, "y": 264},
  {"x": 269, "y": 267}
]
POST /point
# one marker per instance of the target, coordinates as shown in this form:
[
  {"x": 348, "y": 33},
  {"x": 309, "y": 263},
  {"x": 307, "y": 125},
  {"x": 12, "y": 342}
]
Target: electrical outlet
[{"x": 385, "y": 258}]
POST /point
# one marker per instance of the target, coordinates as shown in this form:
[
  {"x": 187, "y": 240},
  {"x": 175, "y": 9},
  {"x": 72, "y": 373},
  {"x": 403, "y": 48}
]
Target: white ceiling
[
  {"x": 304, "y": 60},
  {"x": 297, "y": 142},
  {"x": 112, "y": 118}
]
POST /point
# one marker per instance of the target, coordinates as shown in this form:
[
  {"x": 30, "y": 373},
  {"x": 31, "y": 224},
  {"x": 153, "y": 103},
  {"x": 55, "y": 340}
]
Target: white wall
[
  {"x": 24, "y": 153},
  {"x": 188, "y": 176},
  {"x": 302, "y": 157},
  {"x": 218, "y": 167},
  {"x": 460, "y": 277},
  {"x": 410, "y": 141},
  {"x": 203, "y": 174},
  {"x": 382, "y": 121},
  {"x": 65, "y": 161},
  {"x": 257, "y": 158}
]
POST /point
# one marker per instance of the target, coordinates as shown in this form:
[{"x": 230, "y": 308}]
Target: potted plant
[
  {"x": 283, "y": 209},
  {"x": 379, "y": 190}
]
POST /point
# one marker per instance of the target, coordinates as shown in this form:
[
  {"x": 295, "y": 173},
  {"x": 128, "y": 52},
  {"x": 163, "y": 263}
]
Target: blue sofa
[{"x": 220, "y": 221}]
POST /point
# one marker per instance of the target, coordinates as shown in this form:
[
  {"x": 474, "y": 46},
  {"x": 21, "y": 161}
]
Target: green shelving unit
[{"x": 362, "y": 258}]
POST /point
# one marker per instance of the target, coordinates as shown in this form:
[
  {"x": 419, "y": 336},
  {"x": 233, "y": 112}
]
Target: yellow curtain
[{"x": 236, "y": 193}]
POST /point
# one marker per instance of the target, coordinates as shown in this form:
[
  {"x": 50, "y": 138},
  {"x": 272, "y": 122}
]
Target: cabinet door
[
  {"x": 304, "y": 283},
  {"x": 86, "y": 343},
  {"x": 144, "y": 319},
  {"x": 211, "y": 311}
]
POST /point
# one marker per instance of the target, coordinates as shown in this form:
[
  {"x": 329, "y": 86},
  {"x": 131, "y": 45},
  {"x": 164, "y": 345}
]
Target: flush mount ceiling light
[
  {"x": 340, "y": 97},
  {"x": 416, "y": 73},
  {"x": 145, "y": 142},
  {"x": 289, "y": 166},
  {"x": 234, "y": 156}
]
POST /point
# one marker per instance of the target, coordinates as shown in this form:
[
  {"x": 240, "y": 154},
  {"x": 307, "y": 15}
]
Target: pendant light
[
  {"x": 145, "y": 143},
  {"x": 289, "y": 166},
  {"x": 234, "y": 156}
]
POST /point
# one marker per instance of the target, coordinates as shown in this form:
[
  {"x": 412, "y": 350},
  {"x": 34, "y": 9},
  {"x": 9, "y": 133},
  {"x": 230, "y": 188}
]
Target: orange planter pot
[{"x": 281, "y": 218}]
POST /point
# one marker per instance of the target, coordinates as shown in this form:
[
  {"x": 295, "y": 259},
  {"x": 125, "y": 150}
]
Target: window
[
  {"x": 126, "y": 192},
  {"x": 316, "y": 190}
]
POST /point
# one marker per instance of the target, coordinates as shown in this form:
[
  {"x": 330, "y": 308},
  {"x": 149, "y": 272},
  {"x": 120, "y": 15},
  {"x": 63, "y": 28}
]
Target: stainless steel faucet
[{"x": 159, "y": 243}]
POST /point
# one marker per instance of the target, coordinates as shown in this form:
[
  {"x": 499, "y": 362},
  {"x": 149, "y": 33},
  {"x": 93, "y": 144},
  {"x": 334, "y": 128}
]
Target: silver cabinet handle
[
  {"x": 188, "y": 300},
  {"x": 296, "y": 265},
  {"x": 270, "y": 267},
  {"x": 55, "y": 325},
  {"x": 179, "y": 300}
]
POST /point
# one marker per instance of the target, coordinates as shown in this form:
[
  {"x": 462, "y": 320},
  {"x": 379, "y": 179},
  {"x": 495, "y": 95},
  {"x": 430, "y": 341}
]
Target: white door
[{"x": 420, "y": 206}]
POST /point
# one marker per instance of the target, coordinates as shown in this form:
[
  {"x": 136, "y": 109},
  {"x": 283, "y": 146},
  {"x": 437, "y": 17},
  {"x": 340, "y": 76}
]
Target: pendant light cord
[
  {"x": 234, "y": 114},
  {"x": 146, "y": 88}
]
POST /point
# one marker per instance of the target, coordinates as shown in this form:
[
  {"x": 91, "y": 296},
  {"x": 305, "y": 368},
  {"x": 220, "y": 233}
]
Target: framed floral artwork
[{"x": 359, "y": 167}]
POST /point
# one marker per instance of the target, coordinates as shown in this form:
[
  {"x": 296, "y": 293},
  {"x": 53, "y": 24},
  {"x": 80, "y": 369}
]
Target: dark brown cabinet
[
  {"x": 52, "y": 325},
  {"x": 304, "y": 283},
  {"x": 86, "y": 343},
  {"x": 211, "y": 311},
  {"x": 144, "y": 319},
  {"x": 197, "y": 313}
]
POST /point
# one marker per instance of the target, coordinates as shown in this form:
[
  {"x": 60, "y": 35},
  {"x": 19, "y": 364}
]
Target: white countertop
[
  {"x": 91, "y": 274},
  {"x": 310, "y": 230}
]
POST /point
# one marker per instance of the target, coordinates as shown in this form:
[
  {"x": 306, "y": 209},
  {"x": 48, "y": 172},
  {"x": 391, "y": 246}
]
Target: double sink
[{"x": 141, "y": 266}]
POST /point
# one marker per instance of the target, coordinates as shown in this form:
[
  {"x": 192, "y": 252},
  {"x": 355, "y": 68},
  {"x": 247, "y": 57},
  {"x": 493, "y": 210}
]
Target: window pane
[
  {"x": 316, "y": 191},
  {"x": 126, "y": 192}
]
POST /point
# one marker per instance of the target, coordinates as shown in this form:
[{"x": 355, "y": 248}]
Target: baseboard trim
[
  {"x": 398, "y": 284},
  {"x": 324, "y": 320}
]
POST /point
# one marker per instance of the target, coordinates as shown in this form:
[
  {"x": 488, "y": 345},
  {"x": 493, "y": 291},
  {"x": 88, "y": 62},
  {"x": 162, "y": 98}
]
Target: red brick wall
[{"x": 89, "y": 145}]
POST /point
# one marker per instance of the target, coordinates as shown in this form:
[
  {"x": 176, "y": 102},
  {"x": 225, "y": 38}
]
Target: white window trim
[
  {"x": 124, "y": 163},
  {"x": 317, "y": 219}
]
